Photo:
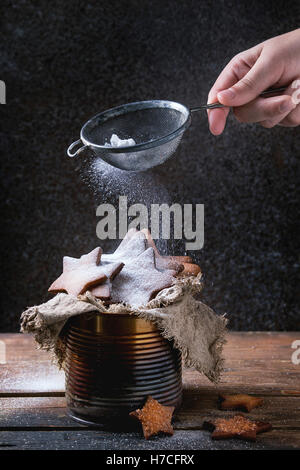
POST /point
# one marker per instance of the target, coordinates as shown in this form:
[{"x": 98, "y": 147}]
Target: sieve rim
[{"x": 136, "y": 106}]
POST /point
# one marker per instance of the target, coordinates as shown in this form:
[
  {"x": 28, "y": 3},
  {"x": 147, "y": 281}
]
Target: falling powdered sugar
[{"x": 146, "y": 187}]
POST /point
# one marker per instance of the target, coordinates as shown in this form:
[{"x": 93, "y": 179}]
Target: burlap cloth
[{"x": 196, "y": 329}]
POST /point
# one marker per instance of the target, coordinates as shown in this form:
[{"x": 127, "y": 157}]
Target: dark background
[{"x": 65, "y": 61}]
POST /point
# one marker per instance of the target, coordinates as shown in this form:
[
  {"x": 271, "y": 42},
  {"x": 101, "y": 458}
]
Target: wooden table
[{"x": 33, "y": 414}]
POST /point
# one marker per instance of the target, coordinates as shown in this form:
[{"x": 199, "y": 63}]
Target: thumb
[{"x": 259, "y": 78}]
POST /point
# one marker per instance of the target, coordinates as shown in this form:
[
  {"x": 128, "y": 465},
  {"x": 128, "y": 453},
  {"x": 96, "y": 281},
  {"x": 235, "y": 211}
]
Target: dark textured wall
[{"x": 65, "y": 61}]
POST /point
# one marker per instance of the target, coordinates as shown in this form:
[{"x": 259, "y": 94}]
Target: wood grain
[{"x": 32, "y": 398}]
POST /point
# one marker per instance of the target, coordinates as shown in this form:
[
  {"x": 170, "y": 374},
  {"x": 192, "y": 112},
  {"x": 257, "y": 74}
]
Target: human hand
[{"x": 271, "y": 64}]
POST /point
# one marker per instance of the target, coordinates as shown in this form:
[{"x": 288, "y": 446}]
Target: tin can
[{"x": 113, "y": 362}]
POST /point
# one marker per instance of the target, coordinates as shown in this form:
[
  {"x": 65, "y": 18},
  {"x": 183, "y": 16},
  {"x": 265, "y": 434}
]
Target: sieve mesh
[
  {"x": 142, "y": 125},
  {"x": 155, "y": 126}
]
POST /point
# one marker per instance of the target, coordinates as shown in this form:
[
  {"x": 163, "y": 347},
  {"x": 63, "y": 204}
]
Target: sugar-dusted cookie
[
  {"x": 102, "y": 291},
  {"x": 190, "y": 269},
  {"x": 139, "y": 281},
  {"x": 80, "y": 274},
  {"x": 238, "y": 426},
  {"x": 155, "y": 418},
  {"x": 239, "y": 402},
  {"x": 162, "y": 262}
]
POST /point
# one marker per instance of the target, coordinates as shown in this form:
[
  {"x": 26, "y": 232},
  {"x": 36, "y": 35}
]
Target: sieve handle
[
  {"x": 208, "y": 106},
  {"x": 78, "y": 151},
  {"x": 219, "y": 105}
]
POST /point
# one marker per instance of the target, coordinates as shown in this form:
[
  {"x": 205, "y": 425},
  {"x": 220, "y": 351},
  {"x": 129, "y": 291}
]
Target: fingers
[
  {"x": 258, "y": 78},
  {"x": 217, "y": 120},
  {"x": 265, "y": 109},
  {"x": 236, "y": 69},
  {"x": 231, "y": 74},
  {"x": 240, "y": 84},
  {"x": 216, "y": 117},
  {"x": 292, "y": 119}
]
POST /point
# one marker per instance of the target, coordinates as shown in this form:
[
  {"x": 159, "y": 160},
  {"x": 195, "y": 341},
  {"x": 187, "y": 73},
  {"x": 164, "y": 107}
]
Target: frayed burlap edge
[
  {"x": 193, "y": 326},
  {"x": 46, "y": 323}
]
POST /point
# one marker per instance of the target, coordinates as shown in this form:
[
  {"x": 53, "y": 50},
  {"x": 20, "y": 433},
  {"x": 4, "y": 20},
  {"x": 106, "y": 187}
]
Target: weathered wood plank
[
  {"x": 31, "y": 378},
  {"x": 261, "y": 360},
  {"x": 99, "y": 440},
  {"x": 20, "y": 347},
  {"x": 256, "y": 363},
  {"x": 244, "y": 379},
  {"x": 30, "y": 403},
  {"x": 28, "y": 369},
  {"x": 282, "y": 411},
  {"x": 277, "y": 345}
]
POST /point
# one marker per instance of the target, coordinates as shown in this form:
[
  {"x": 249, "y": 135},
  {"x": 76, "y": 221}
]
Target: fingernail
[
  {"x": 227, "y": 94},
  {"x": 210, "y": 123},
  {"x": 268, "y": 123},
  {"x": 215, "y": 126},
  {"x": 286, "y": 106}
]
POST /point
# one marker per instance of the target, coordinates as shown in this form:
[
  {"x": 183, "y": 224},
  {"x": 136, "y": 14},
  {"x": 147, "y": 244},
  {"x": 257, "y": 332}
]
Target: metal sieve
[{"x": 156, "y": 126}]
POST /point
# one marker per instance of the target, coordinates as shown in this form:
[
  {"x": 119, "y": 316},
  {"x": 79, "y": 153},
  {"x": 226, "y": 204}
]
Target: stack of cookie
[{"x": 133, "y": 274}]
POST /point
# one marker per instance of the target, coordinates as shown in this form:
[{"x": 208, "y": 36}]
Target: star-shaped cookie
[
  {"x": 139, "y": 280},
  {"x": 133, "y": 244},
  {"x": 238, "y": 426},
  {"x": 102, "y": 291},
  {"x": 80, "y": 274},
  {"x": 239, "y": 402},
  {"x": 155, "y": 418},
  {"x": 162, "y": 262},
  {"x": 182, "y": 264}
]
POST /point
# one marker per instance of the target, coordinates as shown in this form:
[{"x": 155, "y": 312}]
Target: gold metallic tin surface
[{"x": 113, "y": 362}]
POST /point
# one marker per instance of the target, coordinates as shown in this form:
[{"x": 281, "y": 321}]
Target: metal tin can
[{"x": 113, "y": 362}]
